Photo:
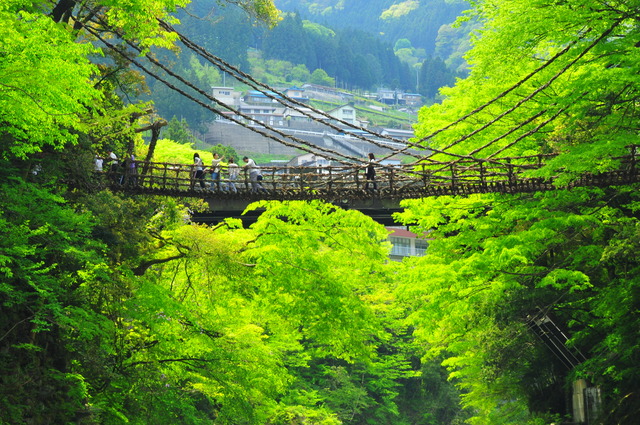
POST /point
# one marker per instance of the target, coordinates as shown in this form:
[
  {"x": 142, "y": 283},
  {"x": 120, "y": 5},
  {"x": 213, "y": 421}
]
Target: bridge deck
[{"x": 347, "y": 184}]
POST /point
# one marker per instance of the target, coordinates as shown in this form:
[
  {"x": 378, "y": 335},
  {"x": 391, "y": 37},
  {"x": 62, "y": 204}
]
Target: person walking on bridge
[
  {"x": 112, "y": 165},
  {"x": 234, "y": 172},
  {"x": 254, "y": 174},
  {"x": 215, "y": 171},
  {"x": 198, "y": 171},
  {"x": 371, "y": 173}
]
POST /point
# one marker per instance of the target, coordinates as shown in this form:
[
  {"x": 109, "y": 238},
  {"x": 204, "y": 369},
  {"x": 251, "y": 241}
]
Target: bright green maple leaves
[
  {"x": 545, "y": 77},
  {"x": 49, "y": 84},
  {"x": 44, "y": 82},
  {"x": 493, "y": 263},
  {"x": 236, "y": 312}
]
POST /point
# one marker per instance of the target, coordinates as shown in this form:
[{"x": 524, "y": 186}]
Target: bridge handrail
[{"x": 395, "y": 177}]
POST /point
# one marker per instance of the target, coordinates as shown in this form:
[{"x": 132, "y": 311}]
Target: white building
[
  {"x": 226, "y": 95},
  {"x": 345, "y": 113},
  {"x": 405, "y": 244},
  {"x": 309, "y": 160}
]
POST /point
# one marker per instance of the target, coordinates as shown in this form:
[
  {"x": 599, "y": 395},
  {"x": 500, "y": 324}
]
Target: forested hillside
[
  {"x": 353, "y": 57},
  {"x": 293, "y": 50},
  {"x": 116, "y": 308},
  {"x": 417, "y": 21}
]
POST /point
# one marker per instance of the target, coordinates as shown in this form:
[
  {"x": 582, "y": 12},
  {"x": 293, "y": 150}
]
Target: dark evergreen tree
[
  {"x": 288, "y": 41},
  {"x": 433, "y": 75},
  {"x": 226, "y": 32}
]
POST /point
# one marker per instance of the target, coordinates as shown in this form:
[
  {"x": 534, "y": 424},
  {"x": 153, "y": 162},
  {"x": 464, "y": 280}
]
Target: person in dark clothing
[
  {"x": 198, "y": 167},
  {"x": 370, "y": 173}
]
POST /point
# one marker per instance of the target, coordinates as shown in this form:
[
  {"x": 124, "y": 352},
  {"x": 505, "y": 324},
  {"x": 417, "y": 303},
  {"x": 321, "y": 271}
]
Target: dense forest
[
  {"x": 354, "y": 58},
  {"x": 118, "y": 309},
  {"x": 417, "y": 21}
]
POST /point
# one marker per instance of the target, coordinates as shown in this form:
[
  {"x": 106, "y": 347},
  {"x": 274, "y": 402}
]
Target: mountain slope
[{"x": 417, "y": 21}]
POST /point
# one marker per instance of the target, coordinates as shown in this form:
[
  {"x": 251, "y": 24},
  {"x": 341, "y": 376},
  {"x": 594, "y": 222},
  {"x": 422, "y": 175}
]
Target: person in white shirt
[
  {"x": 198, "y": 170},
  {"x": 97, "y": 162},
  {"x": 254, "y": 173},
  {"x": 371, "y": 173},
  {"x": 215, "y": 171},
  {"x": 234, "y": 172},
  {"x": 112, "y": 161}
]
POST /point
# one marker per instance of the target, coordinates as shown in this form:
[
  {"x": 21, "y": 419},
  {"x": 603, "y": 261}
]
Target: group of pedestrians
[
  {"x": 122, "y": 172},
  {"x": 218, "y": 166},
  {"x": 125, "y": 172},
  {"x": 231, "y": 171}
]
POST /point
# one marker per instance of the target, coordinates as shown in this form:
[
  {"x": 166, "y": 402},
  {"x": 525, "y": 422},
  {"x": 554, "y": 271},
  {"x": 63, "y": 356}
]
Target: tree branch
[{"x": 142, "y": 268}]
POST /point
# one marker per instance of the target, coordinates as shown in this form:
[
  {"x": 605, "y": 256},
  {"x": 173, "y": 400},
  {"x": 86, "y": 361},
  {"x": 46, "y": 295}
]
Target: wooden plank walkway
[{"x": 340, "y": 183}]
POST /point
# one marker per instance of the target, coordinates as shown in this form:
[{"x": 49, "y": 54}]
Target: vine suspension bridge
[{"x": 346, "y": 185}]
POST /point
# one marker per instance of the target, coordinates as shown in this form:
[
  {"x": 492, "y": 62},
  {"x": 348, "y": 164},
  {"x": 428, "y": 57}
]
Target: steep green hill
[{"x": 418, "y": 21}]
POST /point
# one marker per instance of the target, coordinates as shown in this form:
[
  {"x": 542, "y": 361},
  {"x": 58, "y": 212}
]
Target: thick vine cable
[
  {"x": 271, "y": 93},
  {"x": 501, "y": 95},
  {"x": 527, "y": 98},
  {"x": 333, "y": 154},
  {"x": 539, "y": 89},
  {"x": 302, "y": 144},
  {"x": 247, "y": 79},
  {"x": 530, "y": 132},
  {"x": 279, "y": 96},
  {"x": 482, "y": 107},
  {"x": 489, "y": 159}
]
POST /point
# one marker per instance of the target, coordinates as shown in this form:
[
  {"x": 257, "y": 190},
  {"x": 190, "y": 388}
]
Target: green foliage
[
  {"x": 263, "y": 10},
  {"x": 176, "y": 153},
  {"x": 434, "y": 75},
  {"x": 540, "y": 52},
  {"x": 300, "y": 73},
  {"x": 225, "y": 152},
  {"x": 453, "y": 43},
  {"x": 144, "y": 317},
  {"x": 318, "y": 30},
  {"x": 322, "y": 290},
  {"x": 493, "y": 262},
  {"x": 204, "y": 72},
  {"x": 353, "y": 57},
  {"x": 117, "y": 309},
  {"x": 399, "y": 10},
  {"x": 402, "y": 43},
  {"x": 179, "y": 132},
  {"x": 539, "y": 83},
  {"x": 320, "y": 76},
  {"x": 44, "y": 78},
  {"x": 44, "y": 248},
  {"x": 417, "y": 21},
  {"x": 234, "y": 317}
]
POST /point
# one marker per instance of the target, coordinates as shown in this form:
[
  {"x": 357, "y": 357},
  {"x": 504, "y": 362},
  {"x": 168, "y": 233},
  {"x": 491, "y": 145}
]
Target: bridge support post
[
  {"x": 483, "y": 180},
  {"x": 510, "y": 175},
  {"x": 453, "y": 179}
]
